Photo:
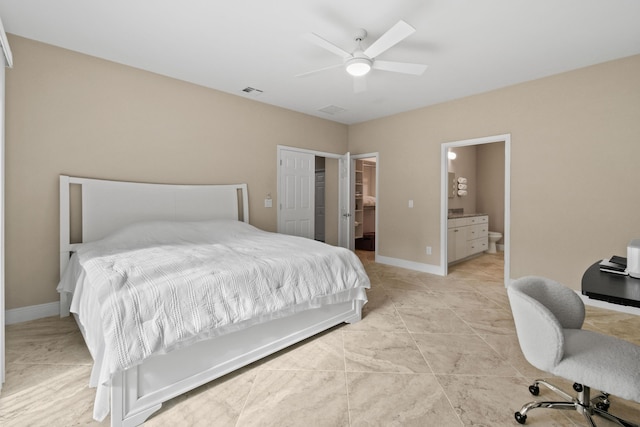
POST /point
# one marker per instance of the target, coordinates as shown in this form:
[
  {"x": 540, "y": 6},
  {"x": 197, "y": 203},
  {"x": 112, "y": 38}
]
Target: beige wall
[
  {"x": 575, "y": 167},
  {"x": 490, "y": 177},
  {"x": 575, "y": 154},
  {"x": 69, "y": 113}
]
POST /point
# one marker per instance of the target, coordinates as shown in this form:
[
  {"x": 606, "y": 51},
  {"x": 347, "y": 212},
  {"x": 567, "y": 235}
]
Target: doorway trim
[{"x": 506, "y": 138}]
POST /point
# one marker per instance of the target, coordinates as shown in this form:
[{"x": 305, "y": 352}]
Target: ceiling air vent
[
  {"x": 252, "y": 91},
  {"x": 332, "y": 109}
]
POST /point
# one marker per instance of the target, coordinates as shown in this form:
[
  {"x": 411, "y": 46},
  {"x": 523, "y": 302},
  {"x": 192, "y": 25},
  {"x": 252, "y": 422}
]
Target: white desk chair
[{"x": 548, "y": 318}]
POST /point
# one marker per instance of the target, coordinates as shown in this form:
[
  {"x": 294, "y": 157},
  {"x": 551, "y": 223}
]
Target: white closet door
[
  {"x": 1, "y": 227},
  {"x": 297, "y": 186},
  {"x": 6, "y": 61},
  {"x": 346, "y": 202}
]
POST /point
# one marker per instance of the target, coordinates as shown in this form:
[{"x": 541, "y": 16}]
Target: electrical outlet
[{"x": 428, "y": 250}]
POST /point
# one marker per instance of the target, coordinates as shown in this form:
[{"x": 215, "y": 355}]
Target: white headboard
[{"x": 110, "y": 205}]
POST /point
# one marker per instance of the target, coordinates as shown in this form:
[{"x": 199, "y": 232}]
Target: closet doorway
[
  {"x": 314, "y": 196},
  {"x": 327, "y": 199},
  {"x": 320, "y": 197},
  {"x": 365, "y": 200}
]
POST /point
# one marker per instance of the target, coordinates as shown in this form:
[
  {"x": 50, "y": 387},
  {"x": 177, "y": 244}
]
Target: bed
[{"x": 172, "y": 288}]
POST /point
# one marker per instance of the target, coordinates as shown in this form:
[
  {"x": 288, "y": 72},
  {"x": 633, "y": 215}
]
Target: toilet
[{"x": 494, "y": 236}]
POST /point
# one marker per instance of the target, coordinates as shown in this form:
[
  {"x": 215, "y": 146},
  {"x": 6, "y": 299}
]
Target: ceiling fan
[{"x": 360, "y": 62}]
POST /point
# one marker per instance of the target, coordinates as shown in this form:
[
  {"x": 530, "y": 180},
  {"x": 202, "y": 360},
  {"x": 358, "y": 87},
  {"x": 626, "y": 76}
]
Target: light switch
[
  {"x": 268, "y": 203},
  {"x": 410, "y": 203}
]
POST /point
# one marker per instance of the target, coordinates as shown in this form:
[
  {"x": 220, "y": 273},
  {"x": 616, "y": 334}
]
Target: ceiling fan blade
[
  {"x": 310, "y": 73},
  {"x": 399, "y": 67},
  {"x": 393, "y": 36},
  {"x": 325, "y": 44},
  {"x": 360, "y": 84}
]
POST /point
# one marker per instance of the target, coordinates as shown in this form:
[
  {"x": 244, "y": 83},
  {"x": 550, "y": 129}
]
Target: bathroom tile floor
[{"x": 430, "y": 351}]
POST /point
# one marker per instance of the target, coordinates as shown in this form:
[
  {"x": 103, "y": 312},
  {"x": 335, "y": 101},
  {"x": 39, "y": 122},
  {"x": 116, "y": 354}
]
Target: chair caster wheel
[
  {"x": 520, "y": 418},
  {"x": 602, "y": 406},
  {"x": 534, "y": 389}
]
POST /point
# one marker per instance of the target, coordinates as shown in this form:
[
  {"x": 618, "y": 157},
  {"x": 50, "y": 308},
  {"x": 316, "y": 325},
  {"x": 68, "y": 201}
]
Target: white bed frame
[{"x": 140, "y": 391}]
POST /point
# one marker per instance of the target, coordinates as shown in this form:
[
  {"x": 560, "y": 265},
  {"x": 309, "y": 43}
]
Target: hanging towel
[
  {"x": 462, "y": 180},
  {"x": 462, "y": 192}
]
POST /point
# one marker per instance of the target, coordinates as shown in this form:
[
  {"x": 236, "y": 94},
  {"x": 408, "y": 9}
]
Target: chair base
[{"x": 582, "y": 403}]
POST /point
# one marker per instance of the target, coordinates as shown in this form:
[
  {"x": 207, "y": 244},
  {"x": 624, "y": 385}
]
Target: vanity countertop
[{"x": 466, "y": 215}]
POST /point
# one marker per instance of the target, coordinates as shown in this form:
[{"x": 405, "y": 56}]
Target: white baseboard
[
  {"x": 32, "y": 312},
  {"x": 411, "y": 265}
]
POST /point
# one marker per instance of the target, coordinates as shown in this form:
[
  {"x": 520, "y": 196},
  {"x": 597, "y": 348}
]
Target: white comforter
[{"x": 154, "y": 287}]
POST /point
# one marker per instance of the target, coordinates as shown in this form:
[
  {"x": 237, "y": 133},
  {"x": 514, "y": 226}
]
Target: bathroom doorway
[{"x": 468, "y": 201}]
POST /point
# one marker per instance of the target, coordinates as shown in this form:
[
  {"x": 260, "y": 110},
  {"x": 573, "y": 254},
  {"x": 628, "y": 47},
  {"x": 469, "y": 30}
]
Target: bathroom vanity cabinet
[{"x": 467, "y": 236}]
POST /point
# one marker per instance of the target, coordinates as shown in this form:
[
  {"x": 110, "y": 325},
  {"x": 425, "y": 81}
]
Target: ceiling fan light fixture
[{"x": 358, "y": 66}]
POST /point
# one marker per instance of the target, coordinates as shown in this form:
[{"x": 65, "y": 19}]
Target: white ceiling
[{"x": 471, "y": 46}]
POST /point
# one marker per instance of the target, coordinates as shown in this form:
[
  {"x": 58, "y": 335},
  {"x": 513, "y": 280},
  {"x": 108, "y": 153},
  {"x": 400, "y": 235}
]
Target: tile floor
[{"x": 430, "y": 351}]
